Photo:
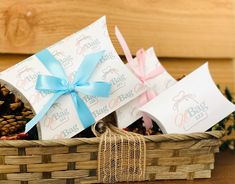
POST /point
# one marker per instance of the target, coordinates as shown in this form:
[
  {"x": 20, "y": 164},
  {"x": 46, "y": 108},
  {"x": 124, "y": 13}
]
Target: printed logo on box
[
  {"x": 91, "y": 100},
  {"x": 189, "y": 110},
  {"x": 26, "y": 77},
  {"x": 100, "y": 111},
  {"x": 122, "y": 97},
  {"x": 87, "y": 43},
  {"x": 66, "y": 60},
  {"x": 107, "y": 56},
  {"x": 57, "y": 116},
  {"x": 113, "y": 76},
  {"x": 69, "y": 131}
]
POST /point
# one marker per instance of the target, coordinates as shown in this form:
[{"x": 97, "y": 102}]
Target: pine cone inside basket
[
  {"x": 139, "y": 127},
  {"x": 13, "y": 113}
]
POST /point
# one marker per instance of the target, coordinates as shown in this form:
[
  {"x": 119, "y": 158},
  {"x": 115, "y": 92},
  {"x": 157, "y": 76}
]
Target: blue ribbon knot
[{"x": 58, "y": 84}]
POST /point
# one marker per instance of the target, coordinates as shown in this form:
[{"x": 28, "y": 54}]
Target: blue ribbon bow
[{"x": 59, "y": 85}]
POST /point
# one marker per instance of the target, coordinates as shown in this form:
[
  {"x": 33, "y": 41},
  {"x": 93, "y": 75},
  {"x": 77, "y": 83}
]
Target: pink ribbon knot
[{"x": 140, "y": 73}]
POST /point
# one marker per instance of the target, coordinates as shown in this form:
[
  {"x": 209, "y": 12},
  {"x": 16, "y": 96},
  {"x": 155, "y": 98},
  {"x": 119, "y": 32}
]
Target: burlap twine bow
[{"x": 121, "y": 156}]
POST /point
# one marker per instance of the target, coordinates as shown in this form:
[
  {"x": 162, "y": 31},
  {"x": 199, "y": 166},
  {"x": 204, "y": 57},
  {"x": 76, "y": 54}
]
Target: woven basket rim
[{"x": 95, "y": 140}]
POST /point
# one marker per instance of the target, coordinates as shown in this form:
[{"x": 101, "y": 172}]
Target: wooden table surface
[{"x": 224, "y": 172}]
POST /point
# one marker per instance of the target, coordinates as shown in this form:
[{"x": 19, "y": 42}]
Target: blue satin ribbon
[{"x": 58, "y": 84}]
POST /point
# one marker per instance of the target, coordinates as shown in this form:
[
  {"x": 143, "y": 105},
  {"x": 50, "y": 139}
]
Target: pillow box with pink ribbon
[
  {"x": 152, "y": 74},
  {"x": 73, "y": 83}
]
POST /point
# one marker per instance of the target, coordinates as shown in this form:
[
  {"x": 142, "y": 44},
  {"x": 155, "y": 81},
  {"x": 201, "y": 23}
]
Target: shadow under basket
[{"x": 169, "y": 156}]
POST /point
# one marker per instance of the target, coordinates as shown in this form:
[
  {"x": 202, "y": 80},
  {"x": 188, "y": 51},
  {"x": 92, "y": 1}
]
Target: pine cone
[{"x": 13, "y": 113}]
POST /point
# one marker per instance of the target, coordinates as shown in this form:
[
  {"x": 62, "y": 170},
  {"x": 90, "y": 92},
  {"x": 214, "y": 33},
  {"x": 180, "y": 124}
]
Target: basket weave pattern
[{"x": 172, "y": 156}]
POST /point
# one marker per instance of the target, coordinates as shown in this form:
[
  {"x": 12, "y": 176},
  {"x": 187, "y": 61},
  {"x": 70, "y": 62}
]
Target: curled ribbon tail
[
  {"x": 141, "y": 58},
  {"x": 144, "y": 98},
  {"x": 42, "y": 113},
  {"x": 139, "y": 72},
  {"x": 123, "y": 44},
  {"x": 83, "y": 111},
  {"x": 147, "y": 122}
]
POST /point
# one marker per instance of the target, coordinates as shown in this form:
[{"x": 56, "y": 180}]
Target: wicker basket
[{"x": 172, "y": 156}]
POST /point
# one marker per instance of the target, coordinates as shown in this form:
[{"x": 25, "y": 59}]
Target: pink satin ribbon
[{"x": 140, "y": 73}]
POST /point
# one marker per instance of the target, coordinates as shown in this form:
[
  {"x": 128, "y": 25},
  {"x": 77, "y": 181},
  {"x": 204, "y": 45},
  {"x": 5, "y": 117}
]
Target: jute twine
[{"x": 121, "y": 156}]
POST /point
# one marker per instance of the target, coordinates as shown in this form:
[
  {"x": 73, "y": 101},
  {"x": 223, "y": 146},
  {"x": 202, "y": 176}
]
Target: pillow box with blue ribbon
[{"x": 74, "y": 83}]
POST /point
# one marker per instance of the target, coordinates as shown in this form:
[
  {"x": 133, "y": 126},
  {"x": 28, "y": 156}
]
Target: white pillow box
[{"x": 194, "y": 104}]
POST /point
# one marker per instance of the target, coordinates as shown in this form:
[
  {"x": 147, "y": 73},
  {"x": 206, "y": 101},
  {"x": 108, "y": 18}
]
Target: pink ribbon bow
[{"x": 140, "y": 73}]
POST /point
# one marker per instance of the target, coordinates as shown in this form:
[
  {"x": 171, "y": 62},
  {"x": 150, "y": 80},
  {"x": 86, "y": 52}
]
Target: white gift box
[
  {"x": 62, "y": 121},
  {"x": 129, "y": 113},
  {"x": 194, "y": 104}
]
